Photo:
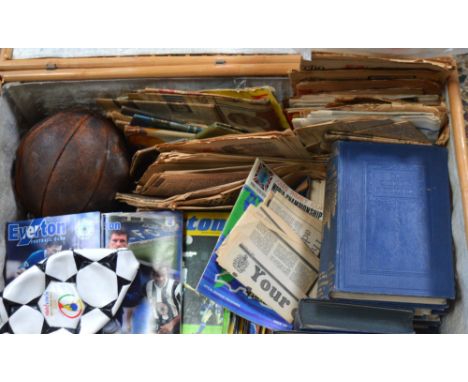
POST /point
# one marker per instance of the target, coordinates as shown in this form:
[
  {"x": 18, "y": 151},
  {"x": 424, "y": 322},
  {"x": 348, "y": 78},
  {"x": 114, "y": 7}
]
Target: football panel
[
  {"x": 127, "y": 265},
  {"x": 26, "y": 320},
  {"x": 26, "y": 287},
  {"x": 61, "y": 305},
  {"x": 97, "y": 285},
  {"x": 95, "y": 254},
  {"x": 92, "y": 322},
  {"x": 110, "y": 261},
  {"x": 61, "y": 331},
  {"x": 61, "y": 266},
  {"x": 3, "y": 313},
  {"x": 122, "y": 294},
  {"x": 6, "y": 329}
]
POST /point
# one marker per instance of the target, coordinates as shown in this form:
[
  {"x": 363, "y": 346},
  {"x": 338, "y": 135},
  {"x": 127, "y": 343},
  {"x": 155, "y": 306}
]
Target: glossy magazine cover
[
  {"x": 153, "y": 302},
  {"x": 200, "y": 315},
  {"x": 29, "y": 242}
]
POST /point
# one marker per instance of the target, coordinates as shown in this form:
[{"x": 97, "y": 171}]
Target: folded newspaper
[
  {"x": 278, "y": 267},
  {"x": 220, "y": 285}
]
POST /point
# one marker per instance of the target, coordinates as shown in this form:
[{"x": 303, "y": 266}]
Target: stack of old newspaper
[
  {"x": 151, "y": 116},
  {"x": 209, "y": 173},
  {"x": 348, "y": 97}
]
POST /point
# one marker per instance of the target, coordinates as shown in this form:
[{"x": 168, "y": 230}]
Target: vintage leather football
[{"x": 70, "y": 162}]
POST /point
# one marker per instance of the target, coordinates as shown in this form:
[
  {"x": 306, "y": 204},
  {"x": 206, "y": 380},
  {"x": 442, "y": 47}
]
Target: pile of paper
[
  {"x": 346, "y": 97},
  {"x": 270, "y": 245},
  {"x": 265, "y": 255},
  {"x": 152, "y": 116},
  {"x": 209, "y": 173}
]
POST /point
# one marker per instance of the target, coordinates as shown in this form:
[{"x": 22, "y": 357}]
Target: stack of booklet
[{"x": 346, "y": 97}]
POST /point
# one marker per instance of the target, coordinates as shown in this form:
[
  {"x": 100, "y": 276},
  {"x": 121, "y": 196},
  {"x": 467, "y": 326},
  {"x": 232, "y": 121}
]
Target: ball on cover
[{"x": 70, "y": 162}]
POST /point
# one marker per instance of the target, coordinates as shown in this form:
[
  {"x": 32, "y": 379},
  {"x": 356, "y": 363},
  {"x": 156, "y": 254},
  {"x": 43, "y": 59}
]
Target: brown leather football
[{"x": 70, "y": 162}]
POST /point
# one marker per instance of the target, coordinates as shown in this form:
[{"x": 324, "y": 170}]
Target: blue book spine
[{"x": 330, "y": 231}]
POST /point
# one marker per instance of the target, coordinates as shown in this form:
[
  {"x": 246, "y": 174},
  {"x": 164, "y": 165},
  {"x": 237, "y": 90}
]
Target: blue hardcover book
[{"x": 387, "y": 231}]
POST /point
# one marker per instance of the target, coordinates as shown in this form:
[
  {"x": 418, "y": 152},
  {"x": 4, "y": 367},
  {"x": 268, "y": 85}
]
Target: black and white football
[{"x": 75, "y": 291}]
